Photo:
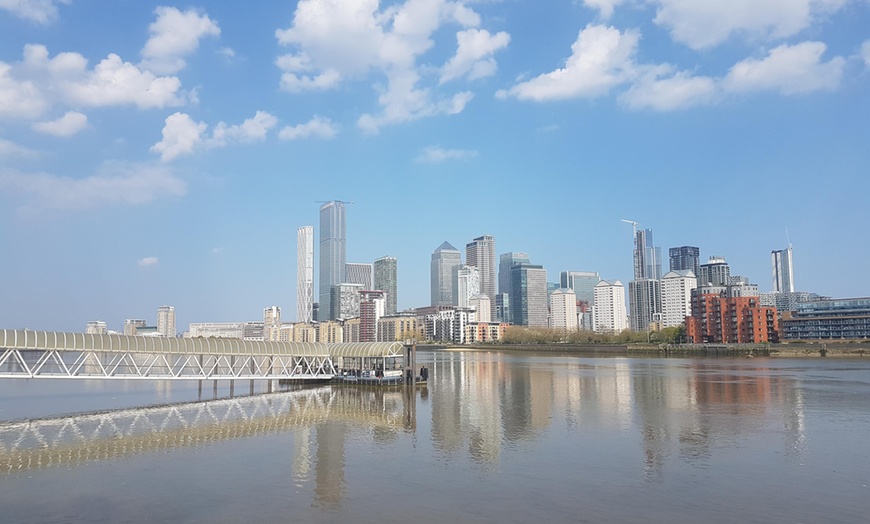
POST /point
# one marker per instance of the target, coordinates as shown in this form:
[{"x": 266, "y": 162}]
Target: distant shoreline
[{"x": 788, "y": 350}]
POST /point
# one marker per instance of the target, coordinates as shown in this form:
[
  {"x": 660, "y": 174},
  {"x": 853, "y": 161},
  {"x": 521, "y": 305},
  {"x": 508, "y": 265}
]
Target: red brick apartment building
[{"x": 718, "y": 319}]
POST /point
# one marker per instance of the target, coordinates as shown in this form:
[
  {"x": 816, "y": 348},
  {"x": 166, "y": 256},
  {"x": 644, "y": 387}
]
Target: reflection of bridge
[
  {"x": 39, "y": 354},
  {"x": 40, "y": 443}
]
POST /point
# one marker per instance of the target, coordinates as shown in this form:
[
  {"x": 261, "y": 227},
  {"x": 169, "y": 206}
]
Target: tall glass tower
[
  {"x": 445, "y": 262},
  {"x": 783, "y": 271},
  {"x": 305, "y": 274},
  {"x": 333, "y": 239},
  {"x": 386, "y": 280},
  {"x": 480, "y": 253}
]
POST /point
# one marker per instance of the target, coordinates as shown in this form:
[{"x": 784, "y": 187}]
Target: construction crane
[{"x": 633, "y": 226}]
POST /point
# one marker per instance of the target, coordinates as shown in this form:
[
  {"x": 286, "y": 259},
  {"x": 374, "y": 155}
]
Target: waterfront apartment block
[
  {"x": 166, "y": 321},
  {"x": 394, "y": 328},
  {"x": 330, "y": 332},
  {"x": 719, "y": 319},
  {"x": 483, "y": 307},
  {"x": 132, "y": 325},
  {"x": 96, "y": 327},
  {"x": 827, "y": 319},
  {"x": 645, "y": 304},
  {"x": 563, "y": 310},
  {"x": 484, "y": 332},
  {"x": 305, "y": 333},
  {"x": 386, "y": 280},
  {"x": 677, "y": 286},
  {"x": 783, "y": 270},
  {"x": 371, "y": 308},
  {"x": 272, "y": 323},
  {"x": 609, "y": 309}
]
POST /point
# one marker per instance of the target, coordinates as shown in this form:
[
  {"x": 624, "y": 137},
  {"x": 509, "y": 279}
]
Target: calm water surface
[{"x": 495, "y": 437}]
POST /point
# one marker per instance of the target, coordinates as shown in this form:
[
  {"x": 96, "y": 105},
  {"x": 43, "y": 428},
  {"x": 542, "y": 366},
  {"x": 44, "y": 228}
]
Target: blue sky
[{"x": 156, "y": 153}]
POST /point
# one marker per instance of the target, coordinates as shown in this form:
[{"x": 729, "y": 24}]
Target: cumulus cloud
[
  {"x": 335, "y": 41},
  {"x": 9, "y": 149},
  {"x": 662, "y": 89},
  {"x": 116, "y": 183},
  {"x": 701, "y": 24},
  {"x": 436, "y": 154},
  {"x": 787, "y": 69},
  {"x": 182, "y": 135},
  {"x": 605, "y": 7},
  {"x": 68, "y": 125},
  {"x": 19, "y": 98},
  {"x": 601, "y": 58},
  {"x": 147, "y": 261},
  {"x": 175, "y": 34},
  {"x": 39, "y": 11},
  {"x": 865, "y": 52},
  {"x": 317, "y": 127}
]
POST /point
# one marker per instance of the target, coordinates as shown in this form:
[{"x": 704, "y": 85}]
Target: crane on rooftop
[{"x": 633, "y": 226}]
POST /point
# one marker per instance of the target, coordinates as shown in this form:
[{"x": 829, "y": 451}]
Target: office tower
[
  {"x": 305, "y": 274},
  {"x": 332, "y": 253},
  {"x": 528, "y": 297},
  {"x": 345, "y": 301},
  {"x": 582, "y": 283},
  {"x": 445, "y": 260},
  {"x": 677, "y": 286},
  {"x": 355, "y": 273},
  {"x": 480, "y": 253},
  {"x": 505, "y": 261},
  {"x": 685, "y": 258},
  {"x": 503, "y": 307},
  {"x": 386, "y": 280},
  {"x": 481, "y": 305},
  {"x": 166, "y": 321},
  {"x": 96, "y": 327},
  {"x": 371, "y": 309},
  {"x": 563, "y": 305},
  {"x": 783, "y": 271},
  {"x": 272, "y": 323},
  {"x": 609, "y": 307},
  {"x": 714, "y": 273},
  {"x": 467, "y": 285},
  {"x": 645, "y": 298},
  {"x": 647, "y": 257}
]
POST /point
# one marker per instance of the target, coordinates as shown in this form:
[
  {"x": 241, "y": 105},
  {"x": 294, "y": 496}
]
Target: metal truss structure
[{"x": 65, "y": 441}]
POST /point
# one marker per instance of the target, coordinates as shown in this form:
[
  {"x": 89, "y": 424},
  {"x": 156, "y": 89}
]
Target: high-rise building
[
  {"x": 718, "y": 319},
  {"x": 647, "y": 257},
  {"x": 505, "y": 261},
  {"x": 563, "y": 306},
  {"x": 715, "y": 272},
  {"x": 582, "y": 283},
  {"x": 305, "y": 274},
  {"x": 371, "y": 309},
  {"x": 386, "y": 280},
  {"x": 685, "y": 258},
  {"x": 609, "y": 310},
  {"x": 332, "y": 253},
  {"x": 272, "y": 323},
  {"x": 345, "y": 301},
  {"x": 783, "y": 271},
  {"x": 445, "y": 261},
  {"x": 503, "y": 307},
  {"x": 166, "y": 321},
  {"x": 355, "y": 273},
  {"x": 96, "y": 327},
  {"x": 677, "y": 286},
  {"x": 480, "y": 253},
  {"x": 131, "y": 325},
  {"x": 528, "y": 297},
  {"x": 467, "y": 285},
  {"x": 481, "y": 305},
  {"x": 645, "y": 298}
]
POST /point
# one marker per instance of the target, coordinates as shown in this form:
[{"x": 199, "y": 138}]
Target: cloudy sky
[{"x": 153, "y": 153}]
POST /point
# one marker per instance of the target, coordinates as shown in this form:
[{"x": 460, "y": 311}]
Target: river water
[{"x": 494, "y": 437}]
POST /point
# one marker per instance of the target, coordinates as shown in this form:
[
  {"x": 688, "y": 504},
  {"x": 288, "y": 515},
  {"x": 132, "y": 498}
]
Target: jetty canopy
[{"x": 51, "y": 340}]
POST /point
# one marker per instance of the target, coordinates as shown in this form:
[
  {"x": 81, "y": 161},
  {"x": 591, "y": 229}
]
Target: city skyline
[{"x": 177, "y": 169}]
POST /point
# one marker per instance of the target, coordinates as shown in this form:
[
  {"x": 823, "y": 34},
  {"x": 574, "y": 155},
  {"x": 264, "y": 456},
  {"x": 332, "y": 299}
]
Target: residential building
[
  {"x": 96, "y": 327},
  {"x": 330, "y": 332},
  {"x": 715, "y": 272},
  {"x": 609, "y": 310},
  {"x": 783, "y": 270},
  {"x": 645, "y": 297},
  {"x": 505, "y": 261},
  {"x": 253, "y": 331},
  {"x": 449, "y": 325},
  {"x": 787, "y": 301},
  {"x": 166, "y": 321},
  {"x": 356, "y": 273},
  {"x": 484, "y": 332},
  {"x": 719, "y": 319},
  {"x": 285, "y": 333},
  {"x": 305, "y": 333},
  {"x": 685, "y": 258},
  {"x": 345, "y": 301},
  {"x": 393, "y": 328},
  {"x": 216, "y": 330},
  {"x": 677, "y": 286},
  {"x": 131, "y": 325},
  {"x": 371, "y": 308},
  {"x": 272, "y": 323},
  {"x": 351, "y": 330},
  {"x": 529, "y": 304},
  {"x": 828, "y": 319},
  {"x": 386, "y": 280},
  {"x": 582, "y": 283},
  {"x": 305, "y": 274},
  {"x": 480, "y": 253},
  {"x": 467, "y": 284},
  {"x": 481, "y": 305},
  {"x": 333, "y": 242},
  {"x": 445, "y": 260},
  {"x": 563, "y": 308}
]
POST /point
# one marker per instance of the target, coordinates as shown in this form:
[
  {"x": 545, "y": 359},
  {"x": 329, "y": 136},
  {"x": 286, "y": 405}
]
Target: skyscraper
[
  {"x": 715, "y": 272},
  {"x": 305, "y": 274},
  {"x": 783, "y": 271},
  {"x": 647, "y": 257},
  {"x": 645, "y": 298},
  {"x": 166, "y": 321},
  {"x": 467, "y": 285},
  {"x": 528, "y": 296},
  {"x": 272, "y": 323},
  {"x": 582, "y": 283},
  {"x": 505, "y": 261},
  {"x": 685, "y": 258},
  {"x": 445, "y": 261},
  {"x": 355, "y": 273},
  {"x": 386, "y": 280},
  {"x": 480, "y": 253},
  {"x": 332, "y": 253}
]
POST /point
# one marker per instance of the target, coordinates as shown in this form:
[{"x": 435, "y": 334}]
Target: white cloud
[
  {"x": 174, "y": 35},
  {"x": 702, "y": 24},
  {"x": 335, "y": 41},
  {"x": 316, "y": 127},
  {"x": 182, "y": 135},
  {"x": 865, "y": 52},
  {"x": 604, "y": 7},
  {"x": 9, "y": 149},
  {"x": 147, "y": 261},
  {"x": 116, "y": 183},
  {"x": 787, "y": 69},
  {"x": 474, "y": 51},
  {"x": 436, "y": 154},
  {"x": 19, "y": 99},
  {"x": 677, "y": 90},
  {"x": 68, "y": 125},
  {"x": 39, "y": 11},
  {"x": 601, "y": 59}
]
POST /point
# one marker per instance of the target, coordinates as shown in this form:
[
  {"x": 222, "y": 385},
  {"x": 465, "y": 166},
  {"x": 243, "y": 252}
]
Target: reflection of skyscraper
[
  {"x": 386, "y": 280},
  {"x": 304, "y": 274},
  {"x": 445, "y": 260},
  {"x": 480, "y": 253},
  {"x": 332, "y": 253},
  {"x": 329, "y": 470},
  {"x": 783, "y": 271}
]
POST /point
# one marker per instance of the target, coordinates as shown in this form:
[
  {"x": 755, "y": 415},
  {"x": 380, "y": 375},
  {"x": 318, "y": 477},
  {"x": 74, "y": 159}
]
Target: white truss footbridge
[{"x": 45, "y": 354}]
